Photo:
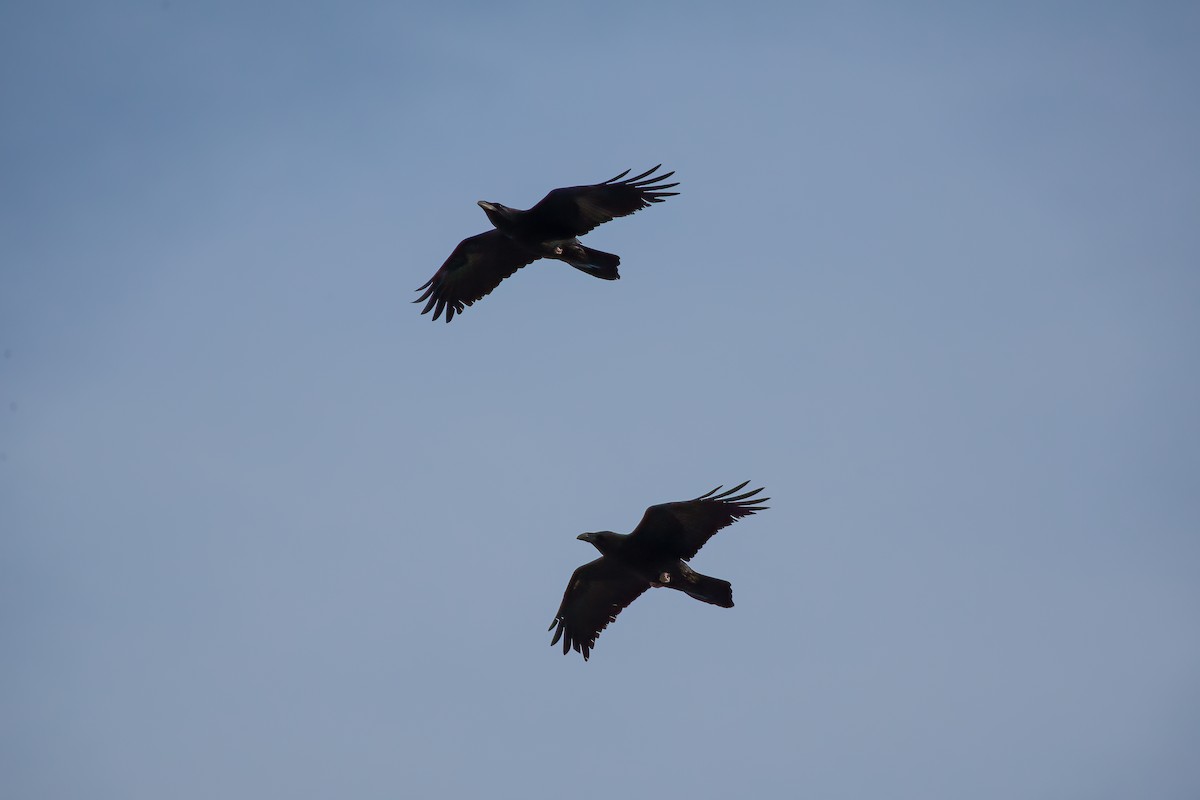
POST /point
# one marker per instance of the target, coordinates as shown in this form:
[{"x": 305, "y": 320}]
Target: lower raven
[
  {"x": 551, "y": 229},
  {"x": 653, "y": 555}
]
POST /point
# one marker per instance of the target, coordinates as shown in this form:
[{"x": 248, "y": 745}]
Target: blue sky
[{"x": 932, "y": 280}]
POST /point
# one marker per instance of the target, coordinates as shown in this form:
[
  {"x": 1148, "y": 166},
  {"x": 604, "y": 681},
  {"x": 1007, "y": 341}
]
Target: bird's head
[
  {"x": 495, "y": 212},
  {"x": 601, "y": 540}
]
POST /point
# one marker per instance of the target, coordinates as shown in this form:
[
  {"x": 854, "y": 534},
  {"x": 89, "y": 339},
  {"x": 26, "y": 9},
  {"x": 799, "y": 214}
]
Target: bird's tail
[
  {"x": 596, "y": 263},
  {"x": 710, "y": 590}
]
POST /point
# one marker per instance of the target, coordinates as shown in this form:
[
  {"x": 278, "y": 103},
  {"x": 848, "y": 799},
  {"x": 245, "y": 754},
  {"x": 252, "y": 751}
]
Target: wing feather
[
  {"x": 473, "y": 270},
  {"x": 597, "y": 592},
  {"x": 574, "y": 210},
  {"x": 680, "y": 529}
]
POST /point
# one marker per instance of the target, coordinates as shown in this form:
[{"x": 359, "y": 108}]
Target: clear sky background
[{"x": 933, "y": 280}]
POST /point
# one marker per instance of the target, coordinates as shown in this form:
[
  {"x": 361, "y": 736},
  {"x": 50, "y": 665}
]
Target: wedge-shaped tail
[
  {"x": 706, "y": 588},
  {"x": 596, "y": 263}
]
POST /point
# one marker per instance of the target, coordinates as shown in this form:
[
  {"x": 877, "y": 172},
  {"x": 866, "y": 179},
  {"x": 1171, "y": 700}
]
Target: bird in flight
[
  {"x": 653, "y": 555},
  {"x": 551, "y": 229}
]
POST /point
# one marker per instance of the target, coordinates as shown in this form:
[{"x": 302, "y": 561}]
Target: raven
[
  {"x": 548, "y": 230},
  {"x": 653, "y": 555}
]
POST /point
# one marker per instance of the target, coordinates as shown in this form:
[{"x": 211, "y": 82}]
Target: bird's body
[
  {"x": 550, "y": 229},
  {"x": 550, "y": 239},
  {"x": 654, "y": 555},
  {"x": 659, "y": 568}
]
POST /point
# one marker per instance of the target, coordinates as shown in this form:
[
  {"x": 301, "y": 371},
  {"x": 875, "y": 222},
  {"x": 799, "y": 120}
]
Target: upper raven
[
  {"x": 548, "y": 230},
  {"x": 653, "y": 555}
]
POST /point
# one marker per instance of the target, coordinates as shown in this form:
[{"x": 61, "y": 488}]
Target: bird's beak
[
  {"x": 486, "y": 206},
  {"x": 584, "y": 537}
]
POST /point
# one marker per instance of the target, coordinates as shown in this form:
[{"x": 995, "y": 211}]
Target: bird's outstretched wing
[
  {"x": 575, "y": 210},
  {"x": 475, "y": 267},
  {"x": 680, "y": 529},
  {"x": 596, "y": 593}
]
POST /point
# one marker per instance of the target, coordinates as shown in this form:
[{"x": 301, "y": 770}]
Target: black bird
[
  {"x": 548, "y": 230},
  {"x": 653, "y": 555}
]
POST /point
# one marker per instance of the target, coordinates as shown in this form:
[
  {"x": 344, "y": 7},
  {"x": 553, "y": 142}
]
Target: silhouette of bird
[
  {"x": 653, "y": 555},
  {"x": 551, "y": 229}
]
